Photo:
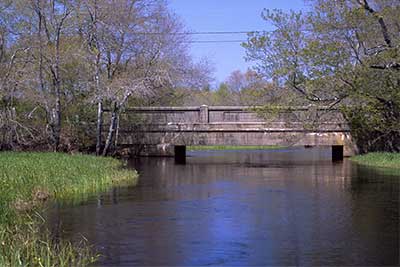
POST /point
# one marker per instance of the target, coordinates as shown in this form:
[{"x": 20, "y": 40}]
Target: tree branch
[
  {"x": 385, "y": 32},
  {"x": 390, "y": 66}
]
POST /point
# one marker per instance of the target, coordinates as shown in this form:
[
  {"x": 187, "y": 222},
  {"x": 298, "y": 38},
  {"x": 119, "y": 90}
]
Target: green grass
[
  {"x": 201, "y": 148},
  {"x": 383, "y": 160},
  {"x": 27, "y": 180}
]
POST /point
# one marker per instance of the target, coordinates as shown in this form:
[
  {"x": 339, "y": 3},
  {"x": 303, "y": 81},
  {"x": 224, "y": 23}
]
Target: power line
[
  {"x": 206, "y": 33},
  {"x": 201, "y": 33},
  {"x": 217, "y": 41},
  {"x": 215, "y": 33}
]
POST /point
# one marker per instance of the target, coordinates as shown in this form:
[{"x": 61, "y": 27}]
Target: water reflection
[{"x": 286, "y": 207}]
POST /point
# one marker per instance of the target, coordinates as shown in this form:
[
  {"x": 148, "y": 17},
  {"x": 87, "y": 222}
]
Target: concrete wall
[
  {"x": 214, "y": 114},
  {"x": 157, "y": 129}
]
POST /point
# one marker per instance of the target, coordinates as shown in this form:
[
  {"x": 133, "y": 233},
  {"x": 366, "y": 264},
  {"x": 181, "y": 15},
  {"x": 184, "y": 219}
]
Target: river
[{"x": 279, "y": 207}]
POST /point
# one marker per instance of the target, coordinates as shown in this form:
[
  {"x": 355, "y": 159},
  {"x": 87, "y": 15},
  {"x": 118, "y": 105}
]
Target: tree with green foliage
[{"x": 344, "y": 54}]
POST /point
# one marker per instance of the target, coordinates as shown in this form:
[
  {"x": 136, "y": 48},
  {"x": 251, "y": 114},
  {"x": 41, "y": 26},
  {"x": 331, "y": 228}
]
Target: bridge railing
[{"x": 229, "y": 114}]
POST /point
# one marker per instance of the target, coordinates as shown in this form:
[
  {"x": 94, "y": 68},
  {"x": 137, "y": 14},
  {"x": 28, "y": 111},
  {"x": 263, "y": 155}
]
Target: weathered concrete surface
[{"x": 157, "y": 129}]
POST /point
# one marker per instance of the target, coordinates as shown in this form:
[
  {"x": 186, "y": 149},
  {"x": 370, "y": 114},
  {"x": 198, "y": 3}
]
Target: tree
[
  {"x": 342, "y": 54},
  {"x": 136, "y": 54},
  {"x": 11, "y": 59},
  {"x": 58, "y": 58},
  {"x": 249, "y": 88},
  {"x": 51, "y": 19}
]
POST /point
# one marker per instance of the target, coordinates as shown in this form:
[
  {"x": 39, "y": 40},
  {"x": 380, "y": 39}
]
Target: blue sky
[{"x": 226, "y": 15}]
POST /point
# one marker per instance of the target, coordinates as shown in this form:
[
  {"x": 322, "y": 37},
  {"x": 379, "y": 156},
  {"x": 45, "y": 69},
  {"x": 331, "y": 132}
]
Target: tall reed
[
  {"x": 27, "y": 181},
  {"x": 383, "y": 160}
]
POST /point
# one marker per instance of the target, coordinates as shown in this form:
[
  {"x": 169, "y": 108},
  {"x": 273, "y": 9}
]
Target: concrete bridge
[{"x": 166, "y": 131}]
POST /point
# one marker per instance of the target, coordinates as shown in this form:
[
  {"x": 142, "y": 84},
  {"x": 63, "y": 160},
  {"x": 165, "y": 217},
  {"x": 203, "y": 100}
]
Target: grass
[
  {"x": 27, "y": 181},
  {"x": 201, "y": 148},
  {"x": 384, "y": 160}
]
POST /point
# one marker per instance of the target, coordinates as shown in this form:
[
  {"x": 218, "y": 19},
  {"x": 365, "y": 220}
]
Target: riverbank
[
  {"x": 27, "y": 182},
  {"x": 383, "y": 160},
  {"x": 201, "y": 148}
]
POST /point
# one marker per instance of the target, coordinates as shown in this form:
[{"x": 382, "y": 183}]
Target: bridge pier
[
  {"x": 180, "y": 154},
  {"x": 337, "y": 153}
]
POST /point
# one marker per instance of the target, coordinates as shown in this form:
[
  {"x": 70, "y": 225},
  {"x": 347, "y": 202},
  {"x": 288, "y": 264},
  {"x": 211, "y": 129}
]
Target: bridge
[{"x": 166, "y": 131}]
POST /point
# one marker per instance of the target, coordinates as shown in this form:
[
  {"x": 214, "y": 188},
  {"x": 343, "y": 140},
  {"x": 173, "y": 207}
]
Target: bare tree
[
  {"x": 51, "y": 17},
  {"x": 134, "y": 54},
  {"x": 73, "y": 53}
]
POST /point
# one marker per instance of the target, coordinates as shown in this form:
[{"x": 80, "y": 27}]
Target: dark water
[{"x": 286, "y": 207}]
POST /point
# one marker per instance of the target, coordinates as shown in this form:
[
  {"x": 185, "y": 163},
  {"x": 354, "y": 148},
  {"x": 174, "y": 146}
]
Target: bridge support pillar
[
  {"x": 180, "y": 154},
  {"x": 337, "y": 153}
]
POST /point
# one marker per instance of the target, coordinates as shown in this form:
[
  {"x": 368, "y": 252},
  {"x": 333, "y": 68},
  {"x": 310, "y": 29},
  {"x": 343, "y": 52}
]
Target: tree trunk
[
  {"x": 99, "y": 127},
  {"x": 111, "y": 131},
  {"x": 99, "y": 130},
  {"x": 57, "y": 120},
  {"x": 117, "y": 131}
]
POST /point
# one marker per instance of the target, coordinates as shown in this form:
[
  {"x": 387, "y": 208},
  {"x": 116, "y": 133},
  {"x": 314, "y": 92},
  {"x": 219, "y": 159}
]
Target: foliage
[
  {"x": 240, "y": 88},
  {"x": 59, "y": 59},
  {"x": 341, "y": 54},
  {"x": 384, "y": 160},
  {"x": 25, "y": 244}
]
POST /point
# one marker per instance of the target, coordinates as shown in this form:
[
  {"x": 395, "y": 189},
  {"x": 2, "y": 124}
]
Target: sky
[{"x": 225, "y": 15}]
